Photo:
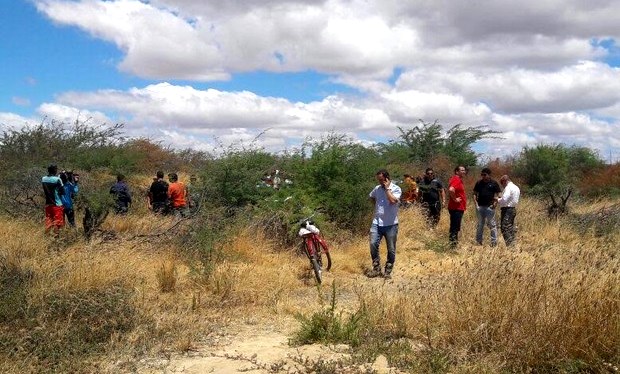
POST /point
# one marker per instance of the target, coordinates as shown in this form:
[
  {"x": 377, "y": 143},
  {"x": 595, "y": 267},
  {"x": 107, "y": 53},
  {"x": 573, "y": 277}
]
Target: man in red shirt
[
  {"x": 457, "y": 203},
  {"x": 177, "y": 194}
]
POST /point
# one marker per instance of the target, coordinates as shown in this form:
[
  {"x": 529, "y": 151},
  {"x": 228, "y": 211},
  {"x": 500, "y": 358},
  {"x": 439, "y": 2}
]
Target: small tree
[
  {"x": 553, "y": 171},
  {"x": 427, "y": 141}
]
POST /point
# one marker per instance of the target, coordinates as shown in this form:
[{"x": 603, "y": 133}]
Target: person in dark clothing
[
  {"x": 122, "y": 195},
  {"x": 486, "y": 192},
  {"x": 158, "y": 194},
  {"x": 432, "y": 196}
]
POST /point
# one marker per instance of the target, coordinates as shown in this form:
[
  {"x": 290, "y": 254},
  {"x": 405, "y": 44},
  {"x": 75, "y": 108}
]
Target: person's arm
[
  {"x": 371, "y": 197},
  {"x": 498, "y": 190},
  {"x": 452, "y": 193},
  {"x": 128, "y": 195},
  {"x": 389, "y": 193},
  {"x": 476, "y": 194}
]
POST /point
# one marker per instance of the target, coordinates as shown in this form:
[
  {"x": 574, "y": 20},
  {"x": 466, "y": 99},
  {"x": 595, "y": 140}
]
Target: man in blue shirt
[
  {"x": 122, "y": 196},
  {"x": 70, "y": 190},
  {"x": 386, "y": 198}
]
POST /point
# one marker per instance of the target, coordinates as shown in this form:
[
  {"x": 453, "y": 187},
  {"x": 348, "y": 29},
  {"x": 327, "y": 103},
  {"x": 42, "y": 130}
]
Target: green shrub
[{"x": 328, "y": 326}]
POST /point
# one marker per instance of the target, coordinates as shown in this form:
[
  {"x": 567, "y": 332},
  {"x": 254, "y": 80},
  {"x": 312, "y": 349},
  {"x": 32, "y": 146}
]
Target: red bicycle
[{"x": 315, "y": 247}]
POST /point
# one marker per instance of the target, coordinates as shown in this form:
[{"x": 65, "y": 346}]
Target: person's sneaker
[
  {"x": 374, "y": 273},
  {"x": 388, "y": 271}
]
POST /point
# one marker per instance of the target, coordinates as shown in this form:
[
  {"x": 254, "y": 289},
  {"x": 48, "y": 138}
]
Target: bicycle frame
[{"x": 314, "y": 247}]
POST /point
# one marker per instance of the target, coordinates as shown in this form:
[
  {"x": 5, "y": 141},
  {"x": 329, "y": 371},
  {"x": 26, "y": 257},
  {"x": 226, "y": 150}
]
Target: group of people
[
  {"x": 170, "y": 197},
  {"x": 430, "y": 193},
  {"x": 163, "y": 197},
  {"x": 60, "y": 190}
]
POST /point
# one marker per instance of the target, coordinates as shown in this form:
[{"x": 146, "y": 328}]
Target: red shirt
[
  {"x": 457, "y": 183},
  {"x": 176, "y": 194}
]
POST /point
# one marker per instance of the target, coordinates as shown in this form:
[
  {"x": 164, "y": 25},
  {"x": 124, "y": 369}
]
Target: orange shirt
[{"x": 176, "y": 194}]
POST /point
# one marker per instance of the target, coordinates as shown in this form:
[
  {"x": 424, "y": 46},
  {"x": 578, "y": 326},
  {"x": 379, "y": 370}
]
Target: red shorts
[{"x": 54, "y": 217}]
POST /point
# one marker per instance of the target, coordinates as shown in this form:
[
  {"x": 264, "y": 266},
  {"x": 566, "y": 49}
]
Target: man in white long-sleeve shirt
[{"x": 508, "y": 203}]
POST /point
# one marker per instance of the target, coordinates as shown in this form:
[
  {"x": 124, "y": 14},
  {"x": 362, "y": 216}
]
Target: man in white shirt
[
  {"x": 508, "y": 203},
  {"x": 386, "y": 198}
]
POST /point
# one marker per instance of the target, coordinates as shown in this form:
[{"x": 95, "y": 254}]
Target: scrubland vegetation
[{"x": 144, "y": 287}]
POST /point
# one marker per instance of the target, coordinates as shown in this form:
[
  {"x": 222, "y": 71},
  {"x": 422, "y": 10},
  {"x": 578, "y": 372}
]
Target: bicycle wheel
[
  {"x": 317, "y": 269},
  {"x": 321, "y": 249}
]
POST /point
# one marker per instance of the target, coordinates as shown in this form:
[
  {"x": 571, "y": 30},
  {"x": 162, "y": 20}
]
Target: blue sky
[{"x": 188, "y": 72}]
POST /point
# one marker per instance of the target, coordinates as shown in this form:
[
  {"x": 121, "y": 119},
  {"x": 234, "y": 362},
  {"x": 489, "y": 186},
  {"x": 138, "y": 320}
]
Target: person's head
[
  {"x": 504, "y": 180},
  {"x": 63, "y": 177},
  {"x": 485, "y": 174},
  {"x": 460, "y": 170},
  {"x": 429, "y": 173},
  {"x": 120, "y": 178},
  {"x": 382, "y": 175},
  {"x": 173, "y": 177},
  {"x": 160, "y": 174},
  {"x": 407, "y": 178},
  {"x": 52, "y": 169}
]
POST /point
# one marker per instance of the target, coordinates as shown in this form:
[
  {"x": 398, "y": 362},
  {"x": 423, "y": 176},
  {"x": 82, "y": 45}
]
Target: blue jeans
[
  {"x": 376, "y": 233},
  {"x": 486, "y": 214}
]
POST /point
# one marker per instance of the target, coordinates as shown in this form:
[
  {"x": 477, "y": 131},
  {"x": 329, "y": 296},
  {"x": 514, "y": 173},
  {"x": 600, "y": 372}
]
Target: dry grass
[{"x": 550, "y": 304}]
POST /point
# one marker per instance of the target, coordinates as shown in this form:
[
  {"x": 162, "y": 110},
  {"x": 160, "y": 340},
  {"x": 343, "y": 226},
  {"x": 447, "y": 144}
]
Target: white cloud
[
  {"x": 531, "y": 69},
  {"x": 584, "y": 86},
  {"x": 67, "y": 114},
  {"x": 13, "y": 121}
]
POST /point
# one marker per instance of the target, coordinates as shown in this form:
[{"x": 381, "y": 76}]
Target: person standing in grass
[
  {"x": 158, "y": 194},
  {"x": 177, "y": 194},
  {"x": 508, "y": 207},
  {"x": 70, "y": 190},
  {"x": 122, "y": 195},
  {"x": 53, "y": 190},
  {"x": 486, "y": 192},
  {"x": 433, "y": 196},
  {"x": 457, "y": 203},
  {"x": 386, "y": 198},
  {"x": 410, "y": 196}
]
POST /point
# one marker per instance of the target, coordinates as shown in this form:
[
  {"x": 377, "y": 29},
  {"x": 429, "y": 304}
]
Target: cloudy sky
[{"x": 198, "y": 72}]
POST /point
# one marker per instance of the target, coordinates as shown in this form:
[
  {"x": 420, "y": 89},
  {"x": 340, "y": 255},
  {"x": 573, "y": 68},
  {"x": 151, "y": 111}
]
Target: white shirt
[
  {"x": 510, "y": 196},
  {"x": 386, "y": 213}
]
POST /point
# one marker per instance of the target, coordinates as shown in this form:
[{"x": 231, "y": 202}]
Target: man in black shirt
[
  {"x": 432, "y": 196},
  {"x": 486, "y": 192},
  {"x": 158, "y": 194}
]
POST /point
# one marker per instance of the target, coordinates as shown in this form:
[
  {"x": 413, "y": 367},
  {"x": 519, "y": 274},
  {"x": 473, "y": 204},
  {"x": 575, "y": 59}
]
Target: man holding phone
[{"x": 386, "y": 198}]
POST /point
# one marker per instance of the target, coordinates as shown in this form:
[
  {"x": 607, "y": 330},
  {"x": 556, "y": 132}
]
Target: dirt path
[
  {"x": 261, "y": 344},
  {"x": 251, "y": 349}
]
